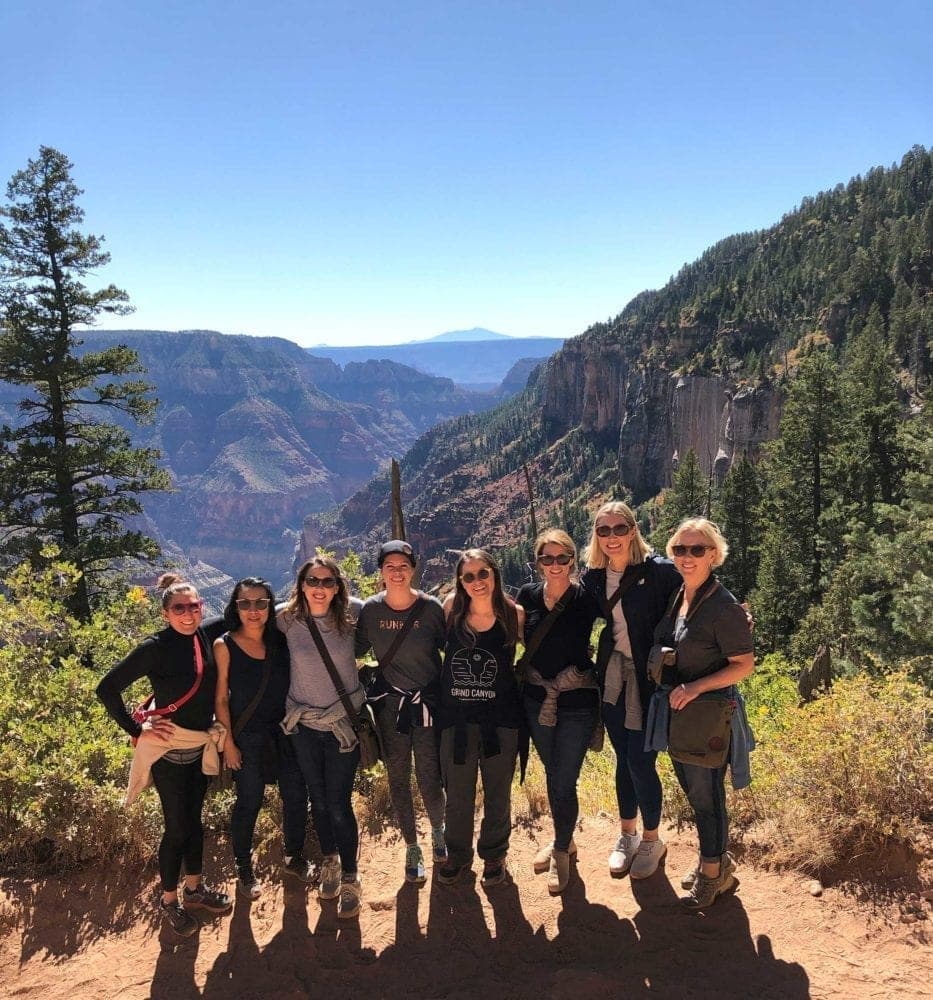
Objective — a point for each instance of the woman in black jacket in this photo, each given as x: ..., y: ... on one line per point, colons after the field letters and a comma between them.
x: 180, y: 667
x: 620, y: 562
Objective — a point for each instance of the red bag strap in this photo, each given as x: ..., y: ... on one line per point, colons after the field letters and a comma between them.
x: 189, y: 694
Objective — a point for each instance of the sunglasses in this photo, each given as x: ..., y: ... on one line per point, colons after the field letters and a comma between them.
x: 619, y: 530
x: 183, y: 609
x: 694, y: 550
x: 327, y: 582
x: 480, y: 574
x: 561, y: 560
x: 259, y: 604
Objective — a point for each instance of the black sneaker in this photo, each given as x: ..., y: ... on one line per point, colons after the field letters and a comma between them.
x: 176, y: 917
x: 494, y: 873
x: 450, y: 874
x: 299, y: 868
x: 206, y: 899
x: 247, y: 884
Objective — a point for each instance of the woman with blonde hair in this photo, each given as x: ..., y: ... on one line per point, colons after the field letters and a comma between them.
x: 561, y: 697
x: 709, y: 631
x: 633, y: 588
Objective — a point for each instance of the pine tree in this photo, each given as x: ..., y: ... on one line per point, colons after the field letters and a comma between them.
x: 798, y: 542
x: 688, y: 496
x: 738, y: 516
x: 65, y: 475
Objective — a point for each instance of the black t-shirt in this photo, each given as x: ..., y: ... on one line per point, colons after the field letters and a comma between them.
x: 245, y: 676
x: 477, y: 680
x: 567, y: 642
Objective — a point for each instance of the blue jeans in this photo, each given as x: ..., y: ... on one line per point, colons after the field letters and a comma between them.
x: 705, y: 788
x: 562, y: 749
x: 637, y: 783
x: 250, y: 786
x: 329, y: 775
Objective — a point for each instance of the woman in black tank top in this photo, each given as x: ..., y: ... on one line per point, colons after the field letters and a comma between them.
x: 479, y: 716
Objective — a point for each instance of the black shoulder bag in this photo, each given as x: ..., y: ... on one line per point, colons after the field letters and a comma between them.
x: 362, y: 720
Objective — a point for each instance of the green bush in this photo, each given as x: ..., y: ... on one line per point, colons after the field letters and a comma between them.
x: 63, y: 763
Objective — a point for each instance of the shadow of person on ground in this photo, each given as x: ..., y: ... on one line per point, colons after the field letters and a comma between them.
x: 706, y: 954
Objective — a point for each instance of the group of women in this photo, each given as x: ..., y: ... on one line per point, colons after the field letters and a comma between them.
x: 279, y: 693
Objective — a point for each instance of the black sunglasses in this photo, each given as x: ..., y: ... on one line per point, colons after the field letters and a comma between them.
x: 620, y: 530
x: 480, y: 574
x: 561, y: 560
x: 259, y: 604
x: 327, y: 582
x: 695, y: 550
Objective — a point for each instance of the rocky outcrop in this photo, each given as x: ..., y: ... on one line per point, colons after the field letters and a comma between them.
x: 653, y: 415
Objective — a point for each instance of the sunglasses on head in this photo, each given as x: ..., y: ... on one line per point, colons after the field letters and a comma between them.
x: 694, y: 550
x: 183, y: 609
x: 562, y: 560
x: 480, y: 574
x: 259, y: 604
x: 620, y: 530
x: 327, y: 582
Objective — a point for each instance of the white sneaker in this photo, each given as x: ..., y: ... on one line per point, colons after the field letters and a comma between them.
x: 624, y: 854
x: 331, y: 872
x: 648, y: 858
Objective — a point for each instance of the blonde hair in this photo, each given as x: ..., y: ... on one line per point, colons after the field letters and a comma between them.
x: 639, y: 549
x: 709, y: 530
x: 555, y: 536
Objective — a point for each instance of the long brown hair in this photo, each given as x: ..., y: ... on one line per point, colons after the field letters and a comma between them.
x: 297, y: 604
x: 502, y: 607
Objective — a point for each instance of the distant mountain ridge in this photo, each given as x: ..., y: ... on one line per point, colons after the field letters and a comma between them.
x: 699, y: 364
x: 480, y: 364
x: 256, y: 434
x: 465, y: 336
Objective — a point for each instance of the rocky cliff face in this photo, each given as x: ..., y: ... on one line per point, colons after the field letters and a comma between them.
x: 652, y: 415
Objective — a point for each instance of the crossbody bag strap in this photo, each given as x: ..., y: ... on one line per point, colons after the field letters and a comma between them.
x: 625, y: 584
x: 409, y: 624
x: 678, y: 597
x: 247, y: 712
x: 542, y: 630
x: 153, y: 713
x: 332, y: 670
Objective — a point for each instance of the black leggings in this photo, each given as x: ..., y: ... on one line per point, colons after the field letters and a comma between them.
x: 181, y: 789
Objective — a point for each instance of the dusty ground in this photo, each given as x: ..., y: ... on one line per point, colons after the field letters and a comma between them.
x: 81, y: 937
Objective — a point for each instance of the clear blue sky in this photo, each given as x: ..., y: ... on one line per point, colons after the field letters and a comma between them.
x: 364, y: 172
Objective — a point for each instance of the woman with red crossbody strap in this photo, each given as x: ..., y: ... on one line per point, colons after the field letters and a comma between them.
x: 180, y: 667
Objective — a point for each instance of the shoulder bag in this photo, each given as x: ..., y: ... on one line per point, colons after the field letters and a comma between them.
x: 701, y: 731
x: 362, y: 720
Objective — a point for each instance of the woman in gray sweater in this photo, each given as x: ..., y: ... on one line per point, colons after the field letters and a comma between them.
x: 316, y: 721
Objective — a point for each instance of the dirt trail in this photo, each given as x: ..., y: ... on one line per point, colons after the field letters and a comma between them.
x: 79, y: 938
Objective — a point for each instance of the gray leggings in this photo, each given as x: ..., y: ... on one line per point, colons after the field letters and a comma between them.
x: 398, y: 748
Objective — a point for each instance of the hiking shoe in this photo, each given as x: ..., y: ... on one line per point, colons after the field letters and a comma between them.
x: 203, y: 898
x: 494, y: 873
x: 414, y: 865
x: 450, y: 874
x: 686, y: 882
x: 299, y: 868
x: 558, y: 872
x: 704, y: 891
x: 649, y: 856
x: 542, y: 861
x: 175, y: 916
x: 247, y: 885
x: 623, y: 854
x: 438, y: 845
x: 331, y: 873
x: 350, y: 893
